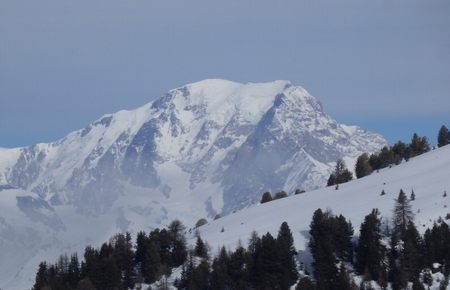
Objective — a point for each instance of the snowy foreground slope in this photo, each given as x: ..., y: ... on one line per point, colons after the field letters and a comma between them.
x: 205, y: 148
x: 428, y: 175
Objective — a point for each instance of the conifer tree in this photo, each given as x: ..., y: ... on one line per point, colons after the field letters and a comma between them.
x: 280, y: 194
x: 437, y: 245
x: 91, y: 267
x: 411, y: 254
x: 331, y: 180
x: 220, y: 279
x: 362, y: 167
x: 342, y: 232
x: 340, y: 174
x: 266, y: 264
x: 239, y: 269
x: 413, y: 195
x: 419, y: 145
x: 400, y: 151
x: 41, y: 279
x: 286, y: 255
x: 151, y: 269
x: 386, y: 157
x: 321, y: 245
x: 178, y: 243
x: 200, y: 249
x: 200, y: 277
x: 402, y: 257
x: 266, y: 197
x: 402, y: 214
x: 124, y: 255
x: 73, y: 275
x: 370, y: 252
x: 443, y: 136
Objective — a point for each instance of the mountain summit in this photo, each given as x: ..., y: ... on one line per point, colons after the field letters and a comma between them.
x: 216, y: 144
x: 206, y: 148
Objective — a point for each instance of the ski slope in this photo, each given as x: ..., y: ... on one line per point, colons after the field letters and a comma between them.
x: 428, y: 175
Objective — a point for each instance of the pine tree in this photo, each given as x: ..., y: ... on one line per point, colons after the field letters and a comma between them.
x: 443, y: 136
x: 280, y: 194
x: 200, y: 249
x: 411, y: 255
x: 437, y: 245
x: 322, y: 250
x: 402, y: 214
x: 124, y: 255
x: 41, y: 279
x: 402, y: 257
x: 266, y: 197
x: 186, y: 273
x: 340, y: 174
x: 239, y: 269
x: 370, y: 252
x: 386, y: 157
x: 331, y: 180
x: 400, y: 151
x: 266, y: 267
x: 73, y: 275
x: 286, y: 255
x: 178, y: 243
x: 200, y: 276
x: 362, y: 167
x: 342, y: 232
x: 151, y: 268
x: 110, y: 274
x: 220, y: 279
x: 419, y: 145
x: 91, y: 266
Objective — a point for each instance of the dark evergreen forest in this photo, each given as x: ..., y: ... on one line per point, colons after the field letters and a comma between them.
x: 394, y: 254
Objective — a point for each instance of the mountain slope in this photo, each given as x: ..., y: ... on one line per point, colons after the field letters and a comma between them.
x: 202, y: 149
x: 427, y: 175
x: 213, y: 134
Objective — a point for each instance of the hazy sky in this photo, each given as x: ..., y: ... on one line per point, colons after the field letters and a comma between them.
x: 383, y: 65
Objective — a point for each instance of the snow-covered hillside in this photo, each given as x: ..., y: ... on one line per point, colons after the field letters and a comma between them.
x: 202, y: 149
x: 428, y: 175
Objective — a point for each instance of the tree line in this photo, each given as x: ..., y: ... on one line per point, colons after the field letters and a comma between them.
x: 397, y: 256
x: 267, y: 263
x: 392, y: 254
x: 119, y: 263
x: 390, y: 155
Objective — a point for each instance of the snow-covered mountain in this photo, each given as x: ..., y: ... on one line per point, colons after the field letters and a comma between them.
x: 206, y: 148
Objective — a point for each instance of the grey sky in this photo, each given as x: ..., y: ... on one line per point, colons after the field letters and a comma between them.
x: 384, y: 65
